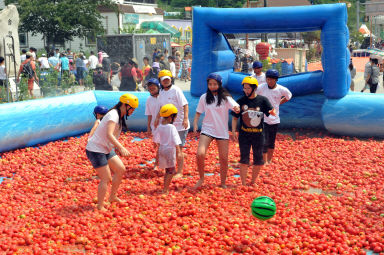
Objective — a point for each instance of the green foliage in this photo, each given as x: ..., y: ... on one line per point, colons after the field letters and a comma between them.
x: 60, y: 20
x: 203, y: 3
x: 356, y: 36
x: 312, y: 36
x: 131, y: 29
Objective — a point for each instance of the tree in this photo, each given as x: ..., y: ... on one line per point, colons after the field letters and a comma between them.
x: 61, y: 20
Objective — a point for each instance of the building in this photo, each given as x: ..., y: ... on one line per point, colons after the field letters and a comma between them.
x: 130, y: 15
x: 184, y: 26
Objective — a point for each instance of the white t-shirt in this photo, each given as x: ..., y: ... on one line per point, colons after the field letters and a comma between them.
x: 33, y: 55
x: 274, y: 96
x: 99, y: 141
x: 44, y: 64
x: 176, y: 97
x: 152, y: 108
x: 23, y: 57
x: 3, y: 75
x: 172, y: 68
x: 168, y: 138
x: 261, y: 79
x: 93, y: 61
x: 215, y: 122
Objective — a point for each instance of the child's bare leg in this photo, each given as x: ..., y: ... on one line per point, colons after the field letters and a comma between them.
x: 169, y: 173
x: 243, y: 173
x: 180, y: 163
x: 118, y: 169
x: 270, y: 155
x: 255, y: 172
x: 223, y: 157
x: 204, y: 142
x: 104, y: 174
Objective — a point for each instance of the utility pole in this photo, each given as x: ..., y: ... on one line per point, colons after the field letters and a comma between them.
x: 246, y: 35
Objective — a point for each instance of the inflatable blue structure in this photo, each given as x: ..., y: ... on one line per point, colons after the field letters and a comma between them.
x: 321, y: 99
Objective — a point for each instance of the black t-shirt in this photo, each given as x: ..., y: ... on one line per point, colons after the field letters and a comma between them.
x: 252, y: 113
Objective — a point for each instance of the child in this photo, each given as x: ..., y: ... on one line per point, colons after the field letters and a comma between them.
x: 100, y: 148
x: 151, y: 106
x: 277, y: 95
x: 99, y: 113
x: 252, y: 110
x: 258, y: 72
x: 170, y: 94
x: 168, y: 139
x: 184, y: 68
x: 215, y: 103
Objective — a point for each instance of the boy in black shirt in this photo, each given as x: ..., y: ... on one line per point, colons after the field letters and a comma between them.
x: 252, y: 110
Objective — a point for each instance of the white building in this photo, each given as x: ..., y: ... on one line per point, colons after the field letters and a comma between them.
x: 131, y: 14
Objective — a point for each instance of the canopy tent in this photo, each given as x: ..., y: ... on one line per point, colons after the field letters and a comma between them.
x: 175, y: 44
x: 160, y: 26
x: 364, y: 30
x: 151, y: 31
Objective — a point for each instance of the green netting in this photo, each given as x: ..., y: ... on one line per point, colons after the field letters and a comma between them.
x: 161, y: 27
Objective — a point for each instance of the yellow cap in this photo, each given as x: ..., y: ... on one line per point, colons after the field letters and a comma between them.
x: 130, y: 100
x: 167, y: 110
x: 163, y: 73
x: 250, y: 80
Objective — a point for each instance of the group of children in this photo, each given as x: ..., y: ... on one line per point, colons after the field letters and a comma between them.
x: 167, y: 111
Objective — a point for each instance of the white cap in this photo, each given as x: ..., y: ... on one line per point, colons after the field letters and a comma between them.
x: 165, y: 77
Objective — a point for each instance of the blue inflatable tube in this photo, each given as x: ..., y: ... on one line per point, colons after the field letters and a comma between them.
x: 356, y: 114
x: 33, y: 122
x: 299, y: 84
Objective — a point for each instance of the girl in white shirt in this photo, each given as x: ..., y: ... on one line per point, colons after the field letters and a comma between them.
x: 215, y: 103
x: 100, y: 148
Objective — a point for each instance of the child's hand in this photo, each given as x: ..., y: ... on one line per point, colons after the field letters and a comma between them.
x: 235, y: 136
x: 236, y: 109
x: 156, y: 123
x: 124, y: 152
x: 185, y: 123
x: 272, y: 112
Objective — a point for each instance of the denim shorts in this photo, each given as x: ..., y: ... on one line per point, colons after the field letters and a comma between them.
x: 99, y: 159
x: 183, y: 136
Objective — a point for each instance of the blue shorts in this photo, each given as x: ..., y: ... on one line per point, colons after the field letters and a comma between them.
x: 99, y: 159
x: 183, y: 136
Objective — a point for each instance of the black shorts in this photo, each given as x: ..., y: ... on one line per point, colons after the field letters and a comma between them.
x: 99, y: 159
x: 212, y: 137
x: 254, y: 140
x: 270, y: 132
x: 2, y: 83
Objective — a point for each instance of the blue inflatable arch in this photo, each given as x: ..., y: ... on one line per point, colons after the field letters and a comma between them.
x: 212, y: 53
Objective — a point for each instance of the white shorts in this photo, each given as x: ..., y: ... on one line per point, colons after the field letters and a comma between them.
x: 167, y: 157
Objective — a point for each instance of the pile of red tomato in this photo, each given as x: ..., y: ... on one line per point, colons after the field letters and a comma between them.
x: 329, y: 193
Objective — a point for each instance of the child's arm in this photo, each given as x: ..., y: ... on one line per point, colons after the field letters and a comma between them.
x: 94, y: 128
x: 149, y: 130
x: 157, y: 120
x: 234, y: 126
x: 112, y: 139
x: 178, y: 151
x: 185, y: 121
x: 195, y: 121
